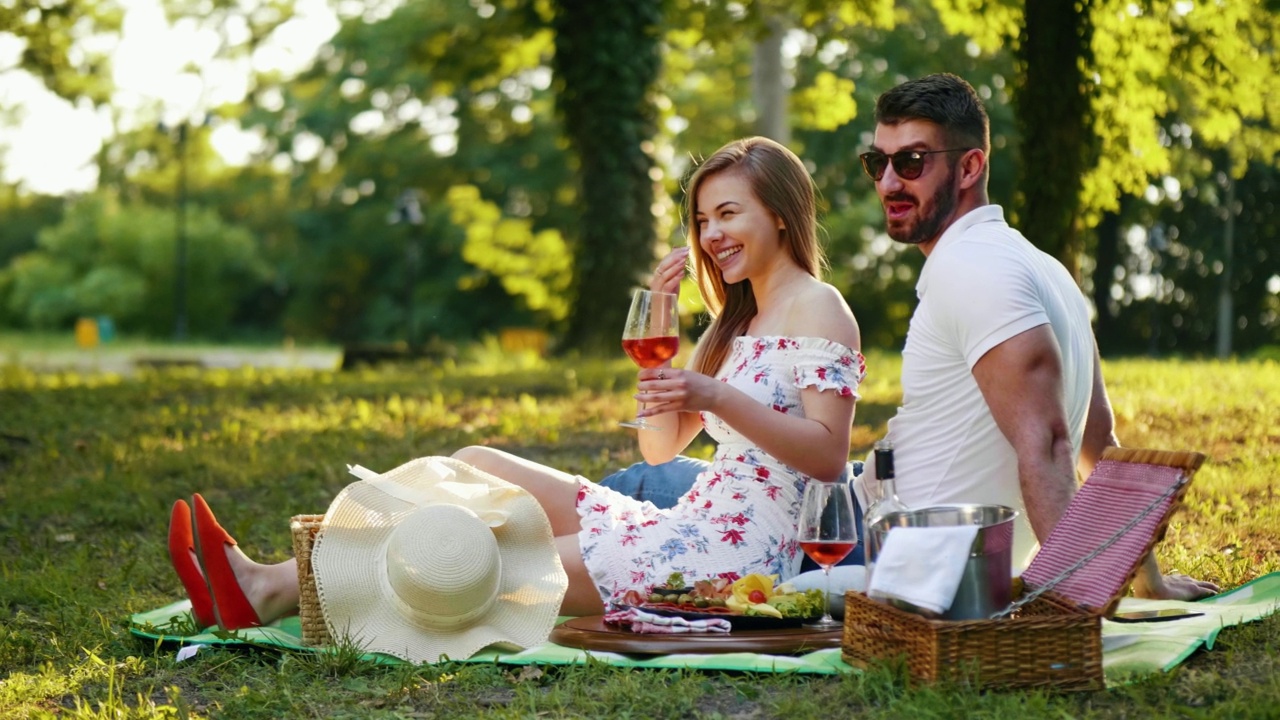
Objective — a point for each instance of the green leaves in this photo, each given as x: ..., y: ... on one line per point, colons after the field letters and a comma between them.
x: 535, y: 267
x: 826, y: 104
x: 117, y: 259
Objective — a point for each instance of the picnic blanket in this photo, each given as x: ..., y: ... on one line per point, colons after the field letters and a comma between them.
x: 1130, y: 650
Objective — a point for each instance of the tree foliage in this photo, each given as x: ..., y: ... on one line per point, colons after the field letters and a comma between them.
x: 108, y: 258
x: 535, y: 267
x: 55, y: 35
x: 547, y: 141
x: 1207, y: 62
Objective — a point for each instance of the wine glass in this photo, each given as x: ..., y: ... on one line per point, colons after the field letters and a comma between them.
x: 651, y: 335
x: 827, y: 534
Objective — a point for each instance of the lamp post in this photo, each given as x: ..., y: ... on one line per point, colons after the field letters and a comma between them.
x: 408, y: 210
x: 180, y: 254
x: 180, y: 263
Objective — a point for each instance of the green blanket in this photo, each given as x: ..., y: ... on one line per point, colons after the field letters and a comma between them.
x: 1129, y: 649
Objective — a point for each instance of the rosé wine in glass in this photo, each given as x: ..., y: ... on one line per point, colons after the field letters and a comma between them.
x: 653, y: 351
x: 827, y: 533
x: 651, y: 336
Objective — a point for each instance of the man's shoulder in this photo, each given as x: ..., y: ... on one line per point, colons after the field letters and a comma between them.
x: 988, y: 251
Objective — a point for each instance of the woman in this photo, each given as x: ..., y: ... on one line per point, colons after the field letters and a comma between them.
x: 774, y: 380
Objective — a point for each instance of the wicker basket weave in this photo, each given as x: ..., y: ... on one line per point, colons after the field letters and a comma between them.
x: 1045, y: 645
x: 1054, y: 641
x: 304, y: 529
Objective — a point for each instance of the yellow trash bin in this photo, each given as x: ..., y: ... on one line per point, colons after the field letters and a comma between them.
x: 516, y: 339
x: 87, y: 333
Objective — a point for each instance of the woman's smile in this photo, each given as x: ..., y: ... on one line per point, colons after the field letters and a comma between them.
x: 727, y: 253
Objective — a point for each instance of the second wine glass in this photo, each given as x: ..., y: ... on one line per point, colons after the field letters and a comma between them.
x: 828, y: 532
x: 652, y: 335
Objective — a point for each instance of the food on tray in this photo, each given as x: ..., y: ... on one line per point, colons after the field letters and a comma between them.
x: 753, y: 595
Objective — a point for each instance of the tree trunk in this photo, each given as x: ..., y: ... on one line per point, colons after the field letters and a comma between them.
x: 1107, y: 257
x: 606, y: 61
x: 1226, y: 309
x: 769, y: 85
x: 1052, y: 110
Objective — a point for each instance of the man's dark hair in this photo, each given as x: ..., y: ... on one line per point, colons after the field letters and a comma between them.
x: 944, y: 99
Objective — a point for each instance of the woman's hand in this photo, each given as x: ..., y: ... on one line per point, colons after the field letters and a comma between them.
x: 670, y: 271
x: 665, y: 390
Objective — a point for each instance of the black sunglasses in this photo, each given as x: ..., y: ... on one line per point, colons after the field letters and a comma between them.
x: 908, y: 164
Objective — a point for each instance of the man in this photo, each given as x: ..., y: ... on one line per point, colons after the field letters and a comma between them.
x: 1003, y: 398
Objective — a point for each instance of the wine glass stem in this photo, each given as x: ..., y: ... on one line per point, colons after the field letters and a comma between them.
x: 826, y: 605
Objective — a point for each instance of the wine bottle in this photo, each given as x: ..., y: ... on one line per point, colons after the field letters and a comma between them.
x: 882, y: 499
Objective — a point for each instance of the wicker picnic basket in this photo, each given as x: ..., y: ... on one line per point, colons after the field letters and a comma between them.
x: 1054, y: 637
x: 304, y: 529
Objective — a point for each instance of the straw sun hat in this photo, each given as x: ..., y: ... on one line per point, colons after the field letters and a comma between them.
x: 437, y: 558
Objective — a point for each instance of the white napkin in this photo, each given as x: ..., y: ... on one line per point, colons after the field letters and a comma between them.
x: 922, y: 565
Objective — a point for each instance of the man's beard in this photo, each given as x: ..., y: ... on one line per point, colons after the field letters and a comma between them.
x: 935, y: 213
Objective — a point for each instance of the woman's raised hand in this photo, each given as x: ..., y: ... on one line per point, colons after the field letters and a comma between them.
x: 670, y: 271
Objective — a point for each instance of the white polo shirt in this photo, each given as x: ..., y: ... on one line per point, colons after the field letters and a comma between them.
x: 982, y: 284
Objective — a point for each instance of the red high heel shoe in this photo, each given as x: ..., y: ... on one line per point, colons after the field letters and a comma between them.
x: 181, y: 545
x: 232, y: 608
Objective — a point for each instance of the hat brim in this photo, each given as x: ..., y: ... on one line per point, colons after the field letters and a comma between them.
x: 349, y: 562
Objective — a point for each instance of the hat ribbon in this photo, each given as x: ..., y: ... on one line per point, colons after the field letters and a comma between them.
x: 480, y: 499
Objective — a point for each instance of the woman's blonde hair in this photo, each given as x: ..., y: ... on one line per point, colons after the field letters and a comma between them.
x: 780, y: 181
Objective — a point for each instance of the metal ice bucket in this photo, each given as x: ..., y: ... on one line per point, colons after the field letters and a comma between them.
x: 986, y: 585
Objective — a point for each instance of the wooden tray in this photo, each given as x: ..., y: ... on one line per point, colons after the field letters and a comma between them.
x: 591, y: 633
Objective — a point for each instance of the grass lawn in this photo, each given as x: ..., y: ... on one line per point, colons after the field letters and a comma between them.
x: 89, y: 465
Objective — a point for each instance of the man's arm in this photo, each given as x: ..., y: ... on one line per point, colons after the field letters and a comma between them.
x: 1021, y: 380
x: 1099, y: 426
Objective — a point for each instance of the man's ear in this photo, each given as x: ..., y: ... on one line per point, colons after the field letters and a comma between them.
x: 972, y: 166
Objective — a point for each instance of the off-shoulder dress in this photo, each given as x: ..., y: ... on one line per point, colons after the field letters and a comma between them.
x: 740, y: 515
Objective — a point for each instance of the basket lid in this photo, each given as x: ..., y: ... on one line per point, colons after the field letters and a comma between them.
x: 1114, y: 520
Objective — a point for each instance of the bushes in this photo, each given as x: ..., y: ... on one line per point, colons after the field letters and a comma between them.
x: 110, y: 258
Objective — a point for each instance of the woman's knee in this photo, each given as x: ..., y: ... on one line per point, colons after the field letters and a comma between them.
x: 480, y: 457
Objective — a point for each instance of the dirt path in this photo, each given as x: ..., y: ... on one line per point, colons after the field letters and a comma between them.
x: 126, y: 361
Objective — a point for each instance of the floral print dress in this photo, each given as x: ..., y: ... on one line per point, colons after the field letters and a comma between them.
x: 740, y: 515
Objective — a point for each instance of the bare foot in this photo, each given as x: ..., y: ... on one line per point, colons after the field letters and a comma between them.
x: 1177, y: 587
x: 272, y: 590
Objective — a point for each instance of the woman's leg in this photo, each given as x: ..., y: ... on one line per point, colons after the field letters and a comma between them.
x: 271, y: 589
x: 582, y: 597
x: 555, y: 491
x: 244, y: 593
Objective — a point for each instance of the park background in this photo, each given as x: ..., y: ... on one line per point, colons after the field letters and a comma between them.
x: 432, y: 172
x: 426, y: 178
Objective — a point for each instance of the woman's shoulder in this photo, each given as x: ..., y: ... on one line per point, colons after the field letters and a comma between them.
x: 823, y: 313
